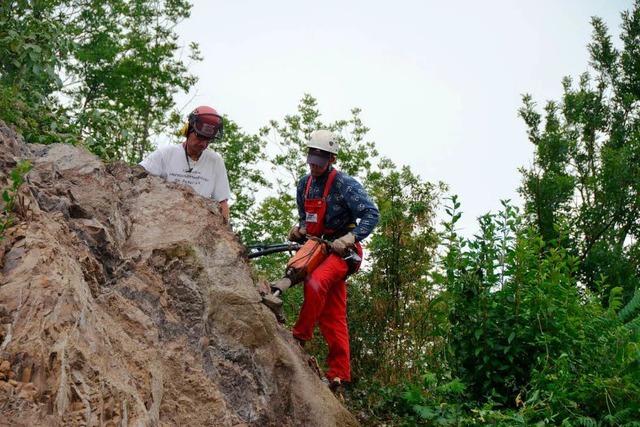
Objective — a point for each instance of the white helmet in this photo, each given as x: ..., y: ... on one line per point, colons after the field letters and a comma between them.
x: 324, y: 140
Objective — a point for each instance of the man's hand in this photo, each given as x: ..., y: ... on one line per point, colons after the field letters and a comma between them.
x: 281, y: 285
x: 224, y: 210
x: 297, y: 234
x: 341, y: 245
x: 139, y: 172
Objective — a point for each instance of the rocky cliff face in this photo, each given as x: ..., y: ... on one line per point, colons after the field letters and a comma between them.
x: 124, y: 300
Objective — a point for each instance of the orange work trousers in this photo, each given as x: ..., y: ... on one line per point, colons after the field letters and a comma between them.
x: 325, y: 304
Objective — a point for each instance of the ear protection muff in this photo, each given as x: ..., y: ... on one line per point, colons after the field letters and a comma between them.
x: 184, y: 130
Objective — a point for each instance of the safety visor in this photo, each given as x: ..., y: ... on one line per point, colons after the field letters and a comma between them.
x: 208, y: 126
x: 317, y: 157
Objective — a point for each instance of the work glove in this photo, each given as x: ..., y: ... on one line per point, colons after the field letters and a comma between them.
x: 275, y: 302
x: 297, y: 234
x: 341, y: 245
x: 281, y: 285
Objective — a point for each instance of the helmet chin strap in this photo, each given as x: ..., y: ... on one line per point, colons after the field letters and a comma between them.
x: 187, y: 155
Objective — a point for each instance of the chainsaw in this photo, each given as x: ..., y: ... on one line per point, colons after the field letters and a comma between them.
x: 308, y: 256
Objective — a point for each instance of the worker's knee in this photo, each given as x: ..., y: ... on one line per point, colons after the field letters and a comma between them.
x: 314, y: 287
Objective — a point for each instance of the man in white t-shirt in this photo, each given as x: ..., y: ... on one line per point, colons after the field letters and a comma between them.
x: 191, y: 163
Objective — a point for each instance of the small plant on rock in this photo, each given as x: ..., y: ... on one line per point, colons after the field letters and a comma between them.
x: 17, y: 177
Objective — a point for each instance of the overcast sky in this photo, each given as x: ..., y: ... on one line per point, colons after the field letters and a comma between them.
x: 439, y: 82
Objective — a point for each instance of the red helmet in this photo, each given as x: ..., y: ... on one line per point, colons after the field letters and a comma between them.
x: 206, y: 122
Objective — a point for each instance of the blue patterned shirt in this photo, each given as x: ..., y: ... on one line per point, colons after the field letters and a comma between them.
x: 347, y: 201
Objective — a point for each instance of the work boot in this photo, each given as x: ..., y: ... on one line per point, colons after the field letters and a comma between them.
x: 337, y: 388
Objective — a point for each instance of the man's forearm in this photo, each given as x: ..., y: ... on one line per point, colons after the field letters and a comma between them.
x: 224, y: 210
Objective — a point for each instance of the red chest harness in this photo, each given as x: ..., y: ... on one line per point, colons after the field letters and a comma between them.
x: 316, y: 209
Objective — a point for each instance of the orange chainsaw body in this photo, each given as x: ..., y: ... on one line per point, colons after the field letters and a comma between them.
x: 308, y: 257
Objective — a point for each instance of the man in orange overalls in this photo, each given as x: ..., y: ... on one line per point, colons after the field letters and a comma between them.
x: 334, y: 206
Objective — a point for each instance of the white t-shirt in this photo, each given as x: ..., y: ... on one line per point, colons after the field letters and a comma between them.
x: 207, y: 176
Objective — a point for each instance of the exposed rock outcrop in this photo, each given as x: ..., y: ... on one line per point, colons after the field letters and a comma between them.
x: 124, y: 300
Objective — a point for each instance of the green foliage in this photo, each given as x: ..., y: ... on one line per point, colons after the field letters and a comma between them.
x: 125, y: 74
x: 16, y: 178
x: 243, y: 154
x: 632, y: 309
x: 430, y: 400
x: 488, y: 349
x: 522, y: 327
x: 32, y: 52
x: 396, y: 313
x: 99, y: 72
x: 585, y: 172
x: 501, y: 321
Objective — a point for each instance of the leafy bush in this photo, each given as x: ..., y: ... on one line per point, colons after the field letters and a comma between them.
x: 16, y: 177
x: 431, y: 400
x: 524, y: 332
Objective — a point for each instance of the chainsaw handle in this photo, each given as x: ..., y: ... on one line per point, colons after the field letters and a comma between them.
x: 350, y: 255
x: 255, y: 251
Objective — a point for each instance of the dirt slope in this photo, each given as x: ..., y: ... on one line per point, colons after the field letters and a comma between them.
x: 125, y: 301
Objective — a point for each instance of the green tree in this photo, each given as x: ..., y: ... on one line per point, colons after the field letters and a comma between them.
x: 33, y: 51
x: 396, y: 312
x: 522, y: 330
x: 243, y: 157
x: 585, y: 171
x: 100, y: 72
x: 125, y: 73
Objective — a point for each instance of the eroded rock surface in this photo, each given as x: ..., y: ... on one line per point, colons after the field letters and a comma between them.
x: 125, y: 301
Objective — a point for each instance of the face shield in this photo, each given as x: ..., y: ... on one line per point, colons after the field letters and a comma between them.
x: 317, y: 157
x: 208, y: 126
